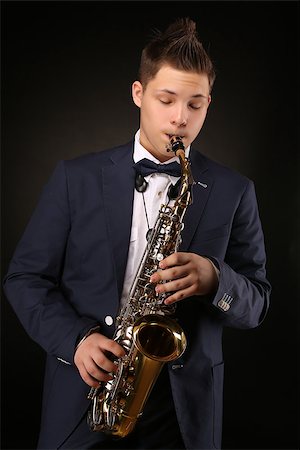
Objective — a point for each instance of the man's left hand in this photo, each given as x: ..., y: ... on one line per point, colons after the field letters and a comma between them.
x: 185, y: 274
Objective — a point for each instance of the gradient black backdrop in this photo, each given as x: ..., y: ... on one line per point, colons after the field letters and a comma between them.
x: 67, y: 70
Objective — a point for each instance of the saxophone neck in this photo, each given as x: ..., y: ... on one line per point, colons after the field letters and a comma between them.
x: 187, y: 181
x: 186, y: 173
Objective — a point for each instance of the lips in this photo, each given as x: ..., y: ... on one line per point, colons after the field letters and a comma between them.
x: 176, y: 134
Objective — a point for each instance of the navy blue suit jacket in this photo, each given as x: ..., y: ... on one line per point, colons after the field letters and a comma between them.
x: 67, y: 275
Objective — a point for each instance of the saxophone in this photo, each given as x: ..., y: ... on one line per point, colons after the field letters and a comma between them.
x: 144, y: 326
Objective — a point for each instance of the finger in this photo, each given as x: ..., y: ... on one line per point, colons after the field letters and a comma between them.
x: 179, y: 295
x: 170, y: 274
x: 104, y: 363
x: 173, y: 286
x: 92, y: 375
x: 112, y: 347
x: 175, y: 259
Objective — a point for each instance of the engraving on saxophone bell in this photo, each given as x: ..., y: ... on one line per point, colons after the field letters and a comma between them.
x: 145, y: 326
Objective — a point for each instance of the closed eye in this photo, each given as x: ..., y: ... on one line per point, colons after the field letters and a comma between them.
x: 165, y: 102
x: 195, y: 106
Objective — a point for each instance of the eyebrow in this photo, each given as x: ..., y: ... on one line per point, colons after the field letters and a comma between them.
x: 167, y: 91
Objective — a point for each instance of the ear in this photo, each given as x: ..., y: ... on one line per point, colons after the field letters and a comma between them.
x: 137, y: 93
x: 209, y: 100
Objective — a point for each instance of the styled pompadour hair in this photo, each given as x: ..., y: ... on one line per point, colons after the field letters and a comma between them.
x: 180, y: 47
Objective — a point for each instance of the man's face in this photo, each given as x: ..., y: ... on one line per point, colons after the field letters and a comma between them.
x: 174, y: 102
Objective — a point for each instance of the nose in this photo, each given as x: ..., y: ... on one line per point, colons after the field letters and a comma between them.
x: 179, y: 117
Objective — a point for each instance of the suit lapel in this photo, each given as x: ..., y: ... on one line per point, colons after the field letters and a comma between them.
x: 118, y: 191
x: 200, y: 194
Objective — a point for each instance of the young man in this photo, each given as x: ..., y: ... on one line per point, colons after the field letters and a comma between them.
x: 77, y: 258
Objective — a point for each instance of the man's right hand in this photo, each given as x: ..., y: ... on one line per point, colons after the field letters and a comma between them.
x: 92, y: 361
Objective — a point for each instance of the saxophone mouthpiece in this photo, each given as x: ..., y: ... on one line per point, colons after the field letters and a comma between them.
x: 176, y: 144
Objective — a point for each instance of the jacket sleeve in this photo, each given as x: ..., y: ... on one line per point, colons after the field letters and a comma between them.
x: 32, y: 284
x: 242, y: 299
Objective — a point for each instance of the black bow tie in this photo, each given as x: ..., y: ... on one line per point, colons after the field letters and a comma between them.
x: 145, y: 167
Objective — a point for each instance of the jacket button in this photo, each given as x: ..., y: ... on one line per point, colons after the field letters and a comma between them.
x: 108, y: 320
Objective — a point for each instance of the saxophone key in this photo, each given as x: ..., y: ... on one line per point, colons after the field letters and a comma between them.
x: 149, y: 234
x: 159, y: 256
x: 92, y: 394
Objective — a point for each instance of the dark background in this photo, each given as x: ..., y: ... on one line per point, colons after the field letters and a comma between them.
x: 67, y: 70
